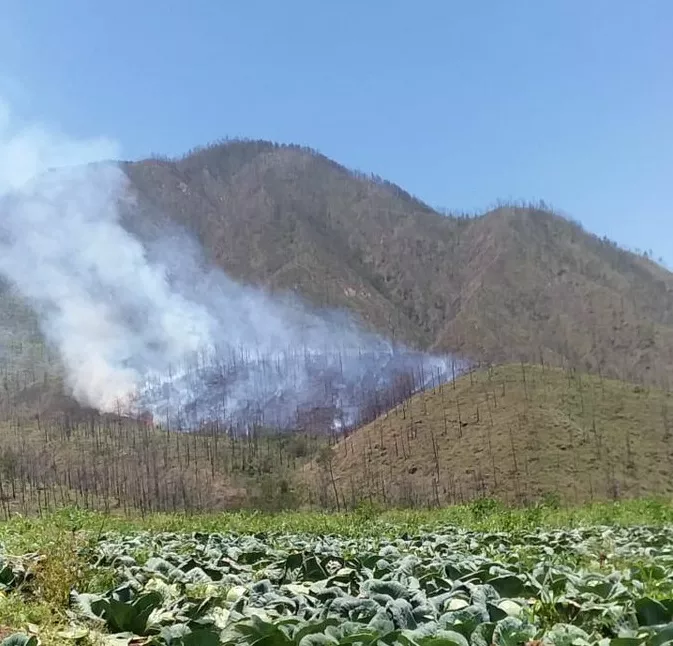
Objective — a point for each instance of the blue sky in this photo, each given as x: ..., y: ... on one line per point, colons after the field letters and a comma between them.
x: 460, y: 102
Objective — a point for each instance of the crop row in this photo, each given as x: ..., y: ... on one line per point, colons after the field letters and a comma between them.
x: 453, y: 587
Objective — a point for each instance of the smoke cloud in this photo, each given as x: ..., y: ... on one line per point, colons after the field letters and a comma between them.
x: 148, y: 325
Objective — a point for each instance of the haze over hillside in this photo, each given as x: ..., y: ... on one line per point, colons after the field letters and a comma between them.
x: 143, y: 322
x: 517, y: 283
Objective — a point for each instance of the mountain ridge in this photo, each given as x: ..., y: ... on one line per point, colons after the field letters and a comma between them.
x: 515, y: 283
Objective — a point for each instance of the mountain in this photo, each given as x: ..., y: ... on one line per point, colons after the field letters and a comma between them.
x: 515, y: 432
x: 519, y: 283
x: 576, y: 335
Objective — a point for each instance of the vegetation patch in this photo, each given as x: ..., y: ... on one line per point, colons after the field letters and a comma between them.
x: 499, y: 577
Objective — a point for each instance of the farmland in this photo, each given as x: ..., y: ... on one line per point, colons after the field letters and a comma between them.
x: 467, y: 575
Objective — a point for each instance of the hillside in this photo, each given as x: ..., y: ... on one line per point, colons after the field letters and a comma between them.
x: 517, y: 433
x: 68, y: 456
x: 514, y: 284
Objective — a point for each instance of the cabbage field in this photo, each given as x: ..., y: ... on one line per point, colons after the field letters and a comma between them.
x: 449, y: 586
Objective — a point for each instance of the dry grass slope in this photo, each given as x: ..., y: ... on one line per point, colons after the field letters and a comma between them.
x: 517, y: 433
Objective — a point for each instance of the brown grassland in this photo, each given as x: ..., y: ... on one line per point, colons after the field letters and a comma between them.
x: 517, y: 433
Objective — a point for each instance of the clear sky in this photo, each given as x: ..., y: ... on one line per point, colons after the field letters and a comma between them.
x: 460, y: 102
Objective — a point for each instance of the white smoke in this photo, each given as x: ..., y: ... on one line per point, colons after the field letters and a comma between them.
x: 62, y: 245
x: 148, y: 322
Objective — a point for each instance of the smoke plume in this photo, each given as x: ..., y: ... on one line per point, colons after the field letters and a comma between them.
x: 148, y: 325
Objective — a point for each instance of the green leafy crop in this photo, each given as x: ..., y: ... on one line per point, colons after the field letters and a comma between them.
x: 447, y: 587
